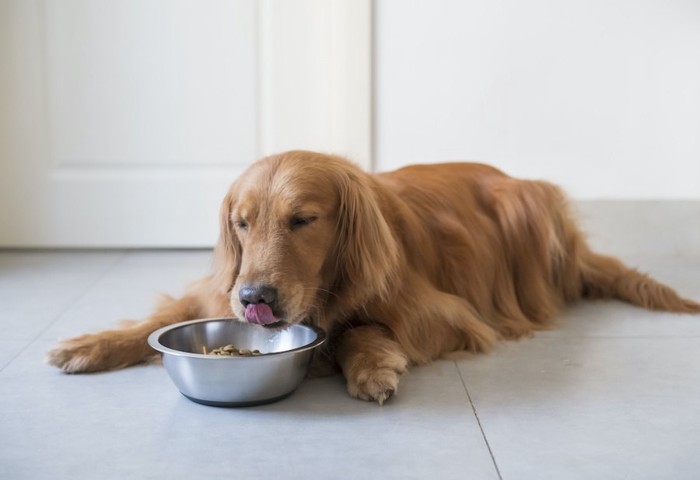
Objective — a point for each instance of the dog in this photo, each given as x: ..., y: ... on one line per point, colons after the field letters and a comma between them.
x: 398, y: 268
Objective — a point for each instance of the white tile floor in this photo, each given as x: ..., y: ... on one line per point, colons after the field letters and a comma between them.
x: 614, y: 393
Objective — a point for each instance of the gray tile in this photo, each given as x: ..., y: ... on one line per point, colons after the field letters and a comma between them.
x: 134, y: 424
x: 611, y: 394
x: 660, y: 228
x: 9, y: 349
x: 590, y: 407
x: 615, y: 318
x: 200, y: 260
x: 36, y: 287
x: 130, y: 291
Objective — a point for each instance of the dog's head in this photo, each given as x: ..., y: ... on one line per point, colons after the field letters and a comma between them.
x: 302, y: 234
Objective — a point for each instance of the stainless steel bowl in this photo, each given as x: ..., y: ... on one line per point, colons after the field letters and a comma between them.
x: 235, y: 381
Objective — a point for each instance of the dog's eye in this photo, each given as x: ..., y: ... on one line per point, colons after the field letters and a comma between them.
x: 241, y: 224
x: 298, y: 222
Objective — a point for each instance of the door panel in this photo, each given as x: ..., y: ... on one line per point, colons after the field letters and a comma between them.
x: 122, y: 124
x: 150, y: 84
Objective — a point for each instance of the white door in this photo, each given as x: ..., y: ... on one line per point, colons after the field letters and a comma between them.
x: 123, y: 123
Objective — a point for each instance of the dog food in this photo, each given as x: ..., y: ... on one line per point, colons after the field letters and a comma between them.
x: 231, y: 351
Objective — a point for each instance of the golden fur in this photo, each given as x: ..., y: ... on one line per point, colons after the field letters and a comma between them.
x: 399, y: 268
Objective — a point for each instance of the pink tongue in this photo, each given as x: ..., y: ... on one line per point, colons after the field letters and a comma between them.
x: 259, y: 313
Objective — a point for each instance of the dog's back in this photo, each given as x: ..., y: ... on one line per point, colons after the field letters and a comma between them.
x: 510, y: 247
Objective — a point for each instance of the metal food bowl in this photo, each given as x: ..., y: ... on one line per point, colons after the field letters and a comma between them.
x: 234, y: 381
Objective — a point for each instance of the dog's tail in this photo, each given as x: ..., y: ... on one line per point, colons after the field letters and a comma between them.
x: 607, y: 277
x: 547, y: 250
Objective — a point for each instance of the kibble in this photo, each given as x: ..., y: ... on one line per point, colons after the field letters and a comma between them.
x: 231, y: 351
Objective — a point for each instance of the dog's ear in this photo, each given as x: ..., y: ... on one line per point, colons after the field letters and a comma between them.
x: 227, y: 253
x: 367, y: 252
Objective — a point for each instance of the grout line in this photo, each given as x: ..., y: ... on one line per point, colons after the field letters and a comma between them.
x: 73, y: 302
x: 478, y: 421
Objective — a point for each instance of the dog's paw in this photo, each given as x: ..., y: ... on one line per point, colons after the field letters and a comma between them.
x: 83, y: 354
x: 377, y: 384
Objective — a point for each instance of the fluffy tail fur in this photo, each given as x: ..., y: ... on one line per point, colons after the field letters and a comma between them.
x: 547, y: 250
x: 607, y: 277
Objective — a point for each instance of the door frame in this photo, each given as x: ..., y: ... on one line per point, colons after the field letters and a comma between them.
x: 336, y: 50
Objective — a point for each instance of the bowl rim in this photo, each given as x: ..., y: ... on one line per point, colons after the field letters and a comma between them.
x: 154, y: 340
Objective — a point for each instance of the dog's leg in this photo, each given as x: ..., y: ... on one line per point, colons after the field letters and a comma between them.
x: 428, y: 323
x: 372, y: 362
x: 119, y: 348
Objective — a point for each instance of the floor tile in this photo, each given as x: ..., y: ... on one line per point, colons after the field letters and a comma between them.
x: 36, y: 287
x: 590, y: 407
x: 616, y: 318
x: 200, y: 260
x: 612, y: 393
x: 660, y: 228
x: 130, y: 291
x: 134, y: 424
x: 9, y: 349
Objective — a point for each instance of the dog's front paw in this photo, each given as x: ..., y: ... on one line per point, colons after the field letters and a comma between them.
x: 372, y: 362
x: 77, y: 355
x: 94, y: 353
x: 377, y: 384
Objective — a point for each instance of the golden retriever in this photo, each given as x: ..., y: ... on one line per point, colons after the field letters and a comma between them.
x: 399, y: 268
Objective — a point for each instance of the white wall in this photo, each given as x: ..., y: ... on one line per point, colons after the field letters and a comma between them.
x: 600, y: 96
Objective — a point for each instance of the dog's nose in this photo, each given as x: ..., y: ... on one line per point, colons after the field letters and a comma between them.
x: 257, y: 294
